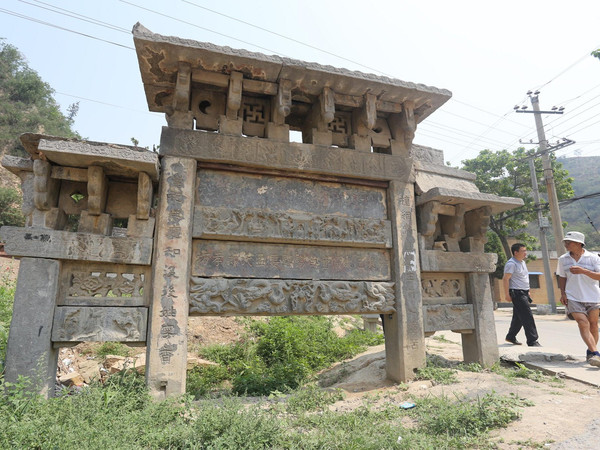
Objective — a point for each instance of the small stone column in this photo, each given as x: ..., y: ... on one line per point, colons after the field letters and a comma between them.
x: 404, y: 333
x: 29, y: 351
x: 481, y: 346
x: 167, y: 340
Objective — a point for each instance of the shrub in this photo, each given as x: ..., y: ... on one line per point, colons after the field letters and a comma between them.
x: 10, y: 208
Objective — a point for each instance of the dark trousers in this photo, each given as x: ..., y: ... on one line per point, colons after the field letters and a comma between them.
x: 522, y: 317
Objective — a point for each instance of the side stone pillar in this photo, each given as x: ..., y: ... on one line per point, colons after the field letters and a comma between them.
x: 404, y: 333
x: 167, y: 340
x: 29, y: 351
x: 481, y: 346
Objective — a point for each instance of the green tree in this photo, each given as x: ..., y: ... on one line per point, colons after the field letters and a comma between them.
x: 26, y: 103
x: 507, y: 174
x: 10, y: 209
x: 596, y: 53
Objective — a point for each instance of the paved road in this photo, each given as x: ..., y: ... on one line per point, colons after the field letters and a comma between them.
x: 555, y: 331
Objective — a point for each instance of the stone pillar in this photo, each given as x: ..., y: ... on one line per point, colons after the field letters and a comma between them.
x: 481, y: 346
x: 404, y: 333
x: 167, y: 340
x: 29, y: 350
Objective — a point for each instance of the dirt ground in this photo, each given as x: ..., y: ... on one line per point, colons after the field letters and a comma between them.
x: 565, y: 414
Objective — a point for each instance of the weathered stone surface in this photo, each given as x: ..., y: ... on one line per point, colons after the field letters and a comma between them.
x: 29, y: 350
x: 481, y: 346
x: 260, y: 225
x: 45, y: 243
x: 115, y: 159
x: 104, y: 285
x: 448, y: 317
x: 91, y: 324
x: 254, y: 260
x: 427, y: 156
x: 309, y: 78
x: 71, y: 379
x: 289, y: 195
x: 440, y: 261
x: 472, y: 200
x: 443, y: 288
x: 215, y: 147
x: 404, y: 342
x: 16, y: 164
x: 167, y: 340
x: 212, y: 296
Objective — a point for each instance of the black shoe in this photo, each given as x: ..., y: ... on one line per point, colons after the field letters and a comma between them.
x: 535, y: 344
x: 513, y: 341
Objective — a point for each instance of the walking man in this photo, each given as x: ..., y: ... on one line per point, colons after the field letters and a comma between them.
x: 579, y: 272
x: 516, y: 288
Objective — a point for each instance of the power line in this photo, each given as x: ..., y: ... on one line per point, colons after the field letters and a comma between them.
x: 32, y: 19
x: 67, y: 13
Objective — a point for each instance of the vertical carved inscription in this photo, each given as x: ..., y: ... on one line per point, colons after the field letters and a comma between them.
x: 167, y: 343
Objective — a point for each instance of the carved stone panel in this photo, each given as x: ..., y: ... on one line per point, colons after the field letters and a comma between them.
x: 254, y: 260
x: 212, y: 296
x: 54, y: 244
x: 260, y: 225
x: 90, y: 324
x: 104, y: 285
x: 436, y: 261
x: 443, y: 288
x: 448, y: 317
x: 283, y: 194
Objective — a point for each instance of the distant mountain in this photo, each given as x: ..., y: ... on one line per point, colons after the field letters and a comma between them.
x: 585, y: 171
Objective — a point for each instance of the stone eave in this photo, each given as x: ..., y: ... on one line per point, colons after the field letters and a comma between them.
x: 472, y: 200
x: 159, y: 57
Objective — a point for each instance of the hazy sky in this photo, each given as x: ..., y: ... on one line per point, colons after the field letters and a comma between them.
x: 488, y: 56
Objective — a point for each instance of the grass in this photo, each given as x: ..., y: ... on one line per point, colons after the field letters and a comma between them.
x: 7, y: 294
x: 120, y: 414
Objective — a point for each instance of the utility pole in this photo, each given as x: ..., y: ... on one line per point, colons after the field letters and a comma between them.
x: 544, y: 152
x: 548, y: 177
x: 542, y: 222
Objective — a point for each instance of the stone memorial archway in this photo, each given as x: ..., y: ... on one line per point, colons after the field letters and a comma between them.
x: 231, y: 218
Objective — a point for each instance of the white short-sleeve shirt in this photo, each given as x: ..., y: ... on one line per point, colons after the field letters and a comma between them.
x: 580, y: 288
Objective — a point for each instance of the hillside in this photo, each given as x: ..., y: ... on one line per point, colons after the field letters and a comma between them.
x: 585, y: 171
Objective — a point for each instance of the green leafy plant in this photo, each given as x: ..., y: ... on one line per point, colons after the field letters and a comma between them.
x: 112, y: 348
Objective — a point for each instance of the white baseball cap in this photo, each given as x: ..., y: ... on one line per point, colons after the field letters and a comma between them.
x: 575, y: 236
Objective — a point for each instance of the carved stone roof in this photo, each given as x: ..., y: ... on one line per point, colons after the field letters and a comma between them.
x: 118, y: 160
x: 159, y: 57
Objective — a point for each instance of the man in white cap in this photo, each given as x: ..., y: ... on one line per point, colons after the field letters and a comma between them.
x: 579, y: 272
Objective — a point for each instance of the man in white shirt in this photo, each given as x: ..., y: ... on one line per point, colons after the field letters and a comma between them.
x: 579, y: 272
x: 516, y: 288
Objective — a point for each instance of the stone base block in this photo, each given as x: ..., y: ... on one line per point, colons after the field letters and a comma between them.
x: 280, y: 133
x: 54, y: 219
x: 101, y: 224
x: 230, y: 127
x: 320, y: 137
x: 140, y: 228
x: 360, y: 143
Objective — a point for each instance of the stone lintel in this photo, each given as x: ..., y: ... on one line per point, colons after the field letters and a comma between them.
x: 115, y: 159
x: 305, y: 228
x: 16, y: 164
x: 268, y: 154
x: 219, y: 296
x: 56, y: 244
x: 440, y: 261
x: 448, y: 317
x: 471, y: 200
x: 92, y: 324
x: 255, y: 260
